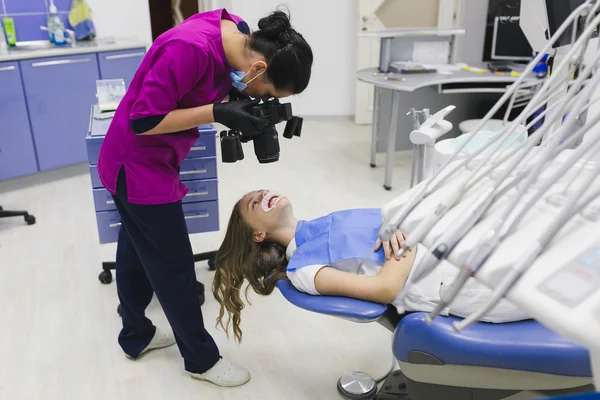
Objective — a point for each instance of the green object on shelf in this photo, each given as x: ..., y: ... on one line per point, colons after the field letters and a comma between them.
x: 9, y: 31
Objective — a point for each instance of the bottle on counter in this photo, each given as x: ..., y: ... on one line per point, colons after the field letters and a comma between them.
x: 3, y: 42
x: 9, y: 30
x: 56, y: 28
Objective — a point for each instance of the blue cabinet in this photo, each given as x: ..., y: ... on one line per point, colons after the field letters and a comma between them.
x: 59, y: 93
x: 198, y: 172
x: 120, y: 64
x: 17, y: 156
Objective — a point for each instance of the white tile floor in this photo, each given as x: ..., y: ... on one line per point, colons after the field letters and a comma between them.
x: 59, y: 325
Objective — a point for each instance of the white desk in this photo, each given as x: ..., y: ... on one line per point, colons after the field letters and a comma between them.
x: 433, y: 91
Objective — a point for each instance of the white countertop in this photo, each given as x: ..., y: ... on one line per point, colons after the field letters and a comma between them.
x: 411, y: 32
x: 413, y: 82
x: 96, y: 46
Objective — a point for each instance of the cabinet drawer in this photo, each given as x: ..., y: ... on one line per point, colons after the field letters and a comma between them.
x: 93, y: 145
x: 205, y: 146
x: 103, y: 200
x: 108, y: 226
x: 211, y: 184
x: 207, y: 129
x: 198, y: 168
x: 203, y: 190
x: 96, y: 183
x: 59, y: 92
x: 199, y: 217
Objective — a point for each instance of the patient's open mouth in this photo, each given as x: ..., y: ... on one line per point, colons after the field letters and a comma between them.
x: 272, y: 201
x: 269, y: 201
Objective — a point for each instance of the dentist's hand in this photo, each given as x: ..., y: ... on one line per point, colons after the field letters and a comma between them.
x: 236, y: 115
x: 394, y: 244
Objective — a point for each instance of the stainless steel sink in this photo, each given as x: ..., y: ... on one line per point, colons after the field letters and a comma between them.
x: 32, y: 46
x: 41, y: 45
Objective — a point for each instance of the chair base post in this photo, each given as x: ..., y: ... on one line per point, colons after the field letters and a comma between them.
x: 357, y: 385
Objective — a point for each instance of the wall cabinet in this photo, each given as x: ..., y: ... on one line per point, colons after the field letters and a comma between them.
x: 120, y: 64
x: 45, y: 107
x: 17, y: 155
x: 59, y: 92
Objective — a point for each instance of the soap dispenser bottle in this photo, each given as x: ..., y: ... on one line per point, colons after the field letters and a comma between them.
x: 56, y: 28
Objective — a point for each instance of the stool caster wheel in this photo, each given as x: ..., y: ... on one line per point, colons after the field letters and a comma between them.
x: 119, y: 310
x: 386, y: 187
x: 357, y: 386
x: 30, y: 219
x: 211, y: 265
x: 372, y: 165
x: 105, y: 277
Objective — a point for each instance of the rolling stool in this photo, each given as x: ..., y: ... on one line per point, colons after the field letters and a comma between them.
x: 29, y: 219
x: 106, y: 275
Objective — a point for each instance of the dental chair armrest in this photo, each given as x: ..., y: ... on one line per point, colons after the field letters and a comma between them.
x: 343, y: 307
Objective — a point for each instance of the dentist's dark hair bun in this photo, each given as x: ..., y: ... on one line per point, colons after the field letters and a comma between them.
x: 288, y: 56
x: 275, y: 25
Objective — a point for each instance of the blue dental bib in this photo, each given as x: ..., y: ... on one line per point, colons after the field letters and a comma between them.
x: 339, y: 236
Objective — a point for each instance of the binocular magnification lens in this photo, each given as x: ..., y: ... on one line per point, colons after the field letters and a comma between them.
x: 266, y: 146
x: 266, y: 143
x: 231, y: 148
x: 293, y: 128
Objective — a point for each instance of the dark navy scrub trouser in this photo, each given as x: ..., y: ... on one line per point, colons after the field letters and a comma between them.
x: 154, y: 254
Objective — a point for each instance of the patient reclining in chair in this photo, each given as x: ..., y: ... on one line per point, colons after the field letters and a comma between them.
x: 334, y: 256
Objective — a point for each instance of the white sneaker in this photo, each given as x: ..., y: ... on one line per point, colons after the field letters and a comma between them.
x: 225, y: 373
x: 159, y: 341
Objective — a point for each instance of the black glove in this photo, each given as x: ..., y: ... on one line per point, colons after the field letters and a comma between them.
x: 236, y: 115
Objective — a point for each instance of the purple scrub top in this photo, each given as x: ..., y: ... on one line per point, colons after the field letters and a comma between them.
x: 185, y: 67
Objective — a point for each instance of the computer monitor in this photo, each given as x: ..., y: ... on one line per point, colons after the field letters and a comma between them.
x: 509, y: 42
x: 558, y: 11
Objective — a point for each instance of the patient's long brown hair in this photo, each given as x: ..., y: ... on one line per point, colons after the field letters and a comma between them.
x: 239, y: 258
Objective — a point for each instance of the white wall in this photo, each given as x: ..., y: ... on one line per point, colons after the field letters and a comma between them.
x: 122, y: 18
x: 472, y: 17
x: 330, y: 28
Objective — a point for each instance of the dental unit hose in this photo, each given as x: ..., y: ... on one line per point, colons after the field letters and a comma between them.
x: 568, y: 211
x: 493, y: 237
x: 444, y: 246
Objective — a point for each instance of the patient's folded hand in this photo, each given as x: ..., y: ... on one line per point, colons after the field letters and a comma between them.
x: 394, y: 244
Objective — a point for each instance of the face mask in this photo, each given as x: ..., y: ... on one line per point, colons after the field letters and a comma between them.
x: 236, y: 79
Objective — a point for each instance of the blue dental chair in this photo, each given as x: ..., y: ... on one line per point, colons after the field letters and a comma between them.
x: 485, y: 362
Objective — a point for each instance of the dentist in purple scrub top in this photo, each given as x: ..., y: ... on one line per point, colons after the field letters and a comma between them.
x: 181, y: 84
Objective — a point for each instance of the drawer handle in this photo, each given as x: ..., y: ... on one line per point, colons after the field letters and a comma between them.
x: 194, y: 171
x: 110, y: 202
x: 204, y: 193
x: 91, y: 119
x: 10, y: 68
x: 196, y: 216
x: 198, y: 148
x: 60, y: 62
x: 205, y: 215
x: 128, y: 55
